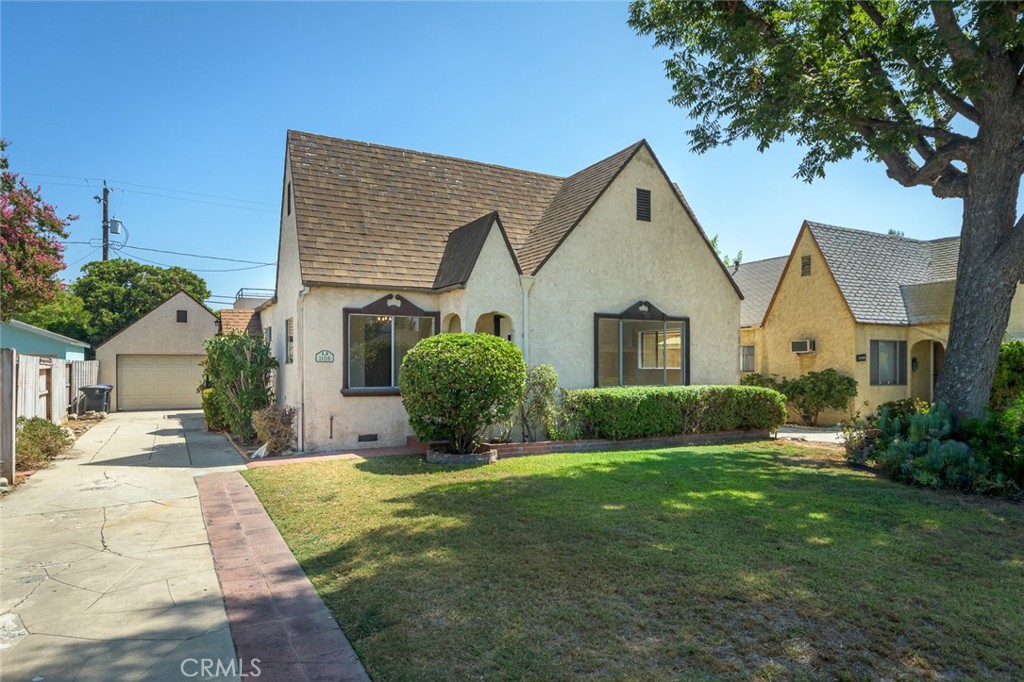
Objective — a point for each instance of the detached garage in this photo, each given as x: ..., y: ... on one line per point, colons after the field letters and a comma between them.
x: 154, y: 364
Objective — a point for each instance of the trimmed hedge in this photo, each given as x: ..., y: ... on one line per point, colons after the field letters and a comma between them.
x: 649, y: 411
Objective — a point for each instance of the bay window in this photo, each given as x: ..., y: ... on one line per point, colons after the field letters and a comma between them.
x: 377, y: 338
x: 641, y: 346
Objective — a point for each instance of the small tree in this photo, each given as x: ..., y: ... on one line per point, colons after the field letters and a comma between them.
x: 811, y: 393
x: 537, y: 411
x: 456, y: 386
x: 31, y: 254
x: 240, y: 368
x: 816, y: 391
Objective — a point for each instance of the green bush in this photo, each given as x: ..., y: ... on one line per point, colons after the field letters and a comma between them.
x: 811, y: 393
x: 275, y: 426
x: 1008, y: 382
x: 455, y: 387
x: 37, y: 442
x: 240, y: 368
x: 646, y: 411
x: 927, y: 449
x: 537, y: 411
x: 213, y: 410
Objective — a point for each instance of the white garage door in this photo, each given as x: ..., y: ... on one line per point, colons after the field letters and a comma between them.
x: 158, y: 382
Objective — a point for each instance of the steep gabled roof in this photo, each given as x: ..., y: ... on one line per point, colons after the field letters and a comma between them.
x: 873, y: 270
x: 376, y: 216
x: 576, y: 196
x: 757, y: 280
x: 157, y: 307
x: 463, y: 249
x: 369, y: 215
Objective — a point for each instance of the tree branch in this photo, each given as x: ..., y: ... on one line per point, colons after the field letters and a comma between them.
x: 957, y: 104
x: 914, y: 128
x: 959, y: 47
x: 938, y: 172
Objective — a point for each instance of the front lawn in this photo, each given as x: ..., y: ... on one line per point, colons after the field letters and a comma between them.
x: 753, y: 561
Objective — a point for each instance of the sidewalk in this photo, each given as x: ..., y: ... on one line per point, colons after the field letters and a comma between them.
x: 107, y: 569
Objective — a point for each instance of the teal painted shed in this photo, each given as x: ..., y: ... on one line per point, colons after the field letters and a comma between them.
x: 29, y: 340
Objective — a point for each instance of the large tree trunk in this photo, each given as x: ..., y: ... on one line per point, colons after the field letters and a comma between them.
x: 987, y: 275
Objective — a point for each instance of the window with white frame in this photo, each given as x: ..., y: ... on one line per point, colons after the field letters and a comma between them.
x: 888, y: 363
x: 746, y: 358
x: 289, y: 332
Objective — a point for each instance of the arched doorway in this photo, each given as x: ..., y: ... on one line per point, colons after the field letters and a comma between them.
x: 452, y: 324
x: 495, y: 323
x: 925, y: 362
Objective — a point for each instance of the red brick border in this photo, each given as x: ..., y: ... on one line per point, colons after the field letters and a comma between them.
x: 275, y: 614
x: 544, y: 447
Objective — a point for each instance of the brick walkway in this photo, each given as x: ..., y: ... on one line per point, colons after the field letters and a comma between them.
x: 275, y: 614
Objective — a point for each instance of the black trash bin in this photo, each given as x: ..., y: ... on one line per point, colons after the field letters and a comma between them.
x: 97, y: 397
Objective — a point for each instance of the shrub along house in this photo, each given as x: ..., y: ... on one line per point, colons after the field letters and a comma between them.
x: 605, y: 274
x: 872, y: 306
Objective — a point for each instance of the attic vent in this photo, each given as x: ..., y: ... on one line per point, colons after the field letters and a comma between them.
x: 643, y: 205
x: 182, y: 316
x: 805, y: 266
x: 288, y: 198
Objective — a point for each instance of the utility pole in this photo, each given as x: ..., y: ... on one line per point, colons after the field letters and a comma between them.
x: 106, y: 221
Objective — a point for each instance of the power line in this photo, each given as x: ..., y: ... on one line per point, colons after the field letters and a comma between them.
x: 161, y: 189
x: 68, y: 265
x: 200, y: 201
x: 196, y: 255
x: 164, y: 265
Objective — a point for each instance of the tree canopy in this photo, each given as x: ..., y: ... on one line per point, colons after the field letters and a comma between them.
x: 932, y: 90
x: 31, y: 254
x: 116, y: 293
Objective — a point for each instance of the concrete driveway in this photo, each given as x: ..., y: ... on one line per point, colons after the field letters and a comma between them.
x: 107, y: 573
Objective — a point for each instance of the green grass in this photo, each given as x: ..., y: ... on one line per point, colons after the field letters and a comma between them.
x: 752, y: 561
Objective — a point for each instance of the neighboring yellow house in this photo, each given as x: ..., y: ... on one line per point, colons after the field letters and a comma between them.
x: 873, y: 306
x: 605, y: 274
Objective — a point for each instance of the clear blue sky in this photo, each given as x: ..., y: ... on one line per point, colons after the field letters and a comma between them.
x: 190, y: 99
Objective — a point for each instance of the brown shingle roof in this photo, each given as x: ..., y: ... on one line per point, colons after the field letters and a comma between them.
x: 369, y: 215
x: 463, y: 248
x: 243, y: 321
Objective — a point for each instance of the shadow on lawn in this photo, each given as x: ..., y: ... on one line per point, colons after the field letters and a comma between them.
x: 671, y: 563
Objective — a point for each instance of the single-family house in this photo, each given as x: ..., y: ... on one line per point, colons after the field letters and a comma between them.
x: 605, y: 274
x: 870, y: 305
x: 30, y: 340
x: 155, y: 362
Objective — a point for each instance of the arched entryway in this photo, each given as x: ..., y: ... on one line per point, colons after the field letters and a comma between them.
x: 452, y: 324
x: 925, y: 362
x: 495, y: 323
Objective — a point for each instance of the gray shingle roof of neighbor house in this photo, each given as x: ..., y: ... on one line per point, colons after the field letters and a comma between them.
x: 757, y: 280
x: 376, y: 216
x: 876, y: 272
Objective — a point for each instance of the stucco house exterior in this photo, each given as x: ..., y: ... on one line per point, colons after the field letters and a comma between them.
x: 154, y: 363
x: 31, y: 340
x: 606, y: 274
x: 873, y: 306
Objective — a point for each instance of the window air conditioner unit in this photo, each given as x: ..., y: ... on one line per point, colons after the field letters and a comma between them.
x: 802, y: 346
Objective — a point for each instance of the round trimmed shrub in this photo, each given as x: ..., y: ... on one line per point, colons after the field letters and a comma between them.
x: 456, y: 386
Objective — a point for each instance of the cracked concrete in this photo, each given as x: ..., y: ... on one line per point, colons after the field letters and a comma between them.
x: 107, y: 573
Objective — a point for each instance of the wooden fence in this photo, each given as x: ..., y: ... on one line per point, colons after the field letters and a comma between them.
x: 48, y: 387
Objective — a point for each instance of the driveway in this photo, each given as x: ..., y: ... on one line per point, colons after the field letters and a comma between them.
x: 107, y: 570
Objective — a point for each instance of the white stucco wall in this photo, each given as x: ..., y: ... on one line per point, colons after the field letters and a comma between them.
x: 612, y: 260
x: 158, y: 333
